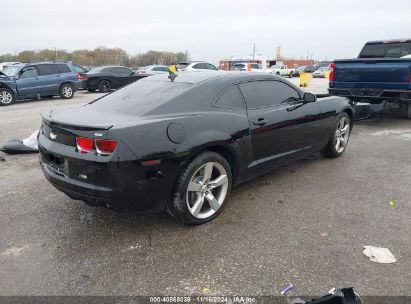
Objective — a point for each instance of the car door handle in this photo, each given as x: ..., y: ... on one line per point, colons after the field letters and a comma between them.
x: 260, y: 122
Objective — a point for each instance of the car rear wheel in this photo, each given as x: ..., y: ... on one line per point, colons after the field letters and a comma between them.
x: 104, y: 86
x: 6, y: 97
x: 201, y: 190
x: 66, y: 91
x: 339, y: 140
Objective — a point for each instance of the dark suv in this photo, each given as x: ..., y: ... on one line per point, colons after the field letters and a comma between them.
x: 38, y: 80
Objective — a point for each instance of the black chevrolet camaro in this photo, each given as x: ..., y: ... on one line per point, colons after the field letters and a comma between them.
x: 180, y: 146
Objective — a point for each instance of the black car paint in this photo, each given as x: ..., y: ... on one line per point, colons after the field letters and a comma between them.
x: 126, y: 181
x: 116, y: 80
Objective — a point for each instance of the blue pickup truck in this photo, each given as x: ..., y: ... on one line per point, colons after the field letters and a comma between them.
x: 381, y: 73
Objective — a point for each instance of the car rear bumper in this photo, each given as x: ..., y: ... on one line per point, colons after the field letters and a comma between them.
x: 371, y: 94
x: 118, y: 185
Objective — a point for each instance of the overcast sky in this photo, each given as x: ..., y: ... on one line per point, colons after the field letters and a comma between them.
x: 209, y: 29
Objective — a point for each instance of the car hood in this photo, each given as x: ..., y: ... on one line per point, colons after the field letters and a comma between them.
x: 4, y: 76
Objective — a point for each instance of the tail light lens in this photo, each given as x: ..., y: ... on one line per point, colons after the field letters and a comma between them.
x: 105, y: 147
x: 84, y: 144
x: 81, y: 77
x: 142, y: 72
x: 332, y: 66
x: 409, y: 79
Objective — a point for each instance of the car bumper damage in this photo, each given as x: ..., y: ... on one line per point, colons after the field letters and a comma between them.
x: 120, y: 185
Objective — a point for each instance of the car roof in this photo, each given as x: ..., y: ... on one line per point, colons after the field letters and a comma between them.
x: 203, y: 76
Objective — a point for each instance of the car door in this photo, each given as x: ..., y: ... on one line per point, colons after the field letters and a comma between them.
x: 282, y: 125
x: 49, y: 79
x: 121, y: 77
x: 27, y: 82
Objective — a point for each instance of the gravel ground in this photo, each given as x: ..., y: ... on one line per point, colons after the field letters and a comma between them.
x: 305, y: 224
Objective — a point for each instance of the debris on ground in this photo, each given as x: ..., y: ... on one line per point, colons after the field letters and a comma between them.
x: 392, y: 203
x: 286, y: 289
x: 22, y: 146
x: 2, y: 158
x: 379, y: 254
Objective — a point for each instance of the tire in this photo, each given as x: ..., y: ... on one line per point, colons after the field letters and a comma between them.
x: 291, y: 75
x: 339, y: 140
x: 6, y: 97
x: 104, y: 86
x: 66, y: 91
x: 278, y: 74
x: 91, y: 90
x: 201, y: 202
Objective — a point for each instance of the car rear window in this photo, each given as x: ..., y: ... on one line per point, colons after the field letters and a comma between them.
x: 386, y: 50
x: 141, y: 97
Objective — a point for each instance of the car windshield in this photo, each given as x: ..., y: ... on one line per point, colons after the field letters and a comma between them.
x: 385, y: 50
x: 11, y: 70
x: 141, y: 97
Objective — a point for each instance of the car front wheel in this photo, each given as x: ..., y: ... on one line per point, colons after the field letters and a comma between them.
x: 339, y: 139
x: 6, y: 97
x: 201, y: 190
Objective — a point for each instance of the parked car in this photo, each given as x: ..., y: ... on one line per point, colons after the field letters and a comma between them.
x: 320, y: 73
x: 182, y: 145
x: 281, y: 70
x: 38, y: 80
x: 195, y: 66
x: 246, y: 66
x: 107, y: 78
x: 152, y: 70
x: 4, y: 65
x: 378, y: 74
x: 82, y: 71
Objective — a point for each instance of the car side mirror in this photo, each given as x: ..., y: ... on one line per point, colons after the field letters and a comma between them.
x: 309, y: 97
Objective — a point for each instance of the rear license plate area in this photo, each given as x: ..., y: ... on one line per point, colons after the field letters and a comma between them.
x: 58, y: 163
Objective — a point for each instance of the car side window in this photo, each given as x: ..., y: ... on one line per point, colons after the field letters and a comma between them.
x: 46, y: 69
x: 63, y: 68
x: 199, y: 66
x: 231, y: 98
x: 267, y: 93
x: 30, y: 71
x: 164, y: 69
x: 209, y: 66
x: 121, y: 71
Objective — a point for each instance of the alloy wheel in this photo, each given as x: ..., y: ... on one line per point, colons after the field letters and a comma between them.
x: 6, y: 97
x: 342, y: 134
x: 67, y: 91
x: 207, y: 190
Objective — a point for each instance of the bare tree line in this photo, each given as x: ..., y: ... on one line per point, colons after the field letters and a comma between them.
x: 98, y: 56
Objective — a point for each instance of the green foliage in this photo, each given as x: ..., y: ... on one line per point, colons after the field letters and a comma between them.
x: 99, y: 56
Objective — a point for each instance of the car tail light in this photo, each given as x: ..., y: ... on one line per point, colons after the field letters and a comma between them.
x: 331, y: 77
x: 84, y: 144
x: 409, y: 79
x: 105, y: 146
x: 81, y: 77
x: 142, y: 72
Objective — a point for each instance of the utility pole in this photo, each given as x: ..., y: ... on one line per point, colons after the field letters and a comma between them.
x: 253, y: 51
x: 57, y: 59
